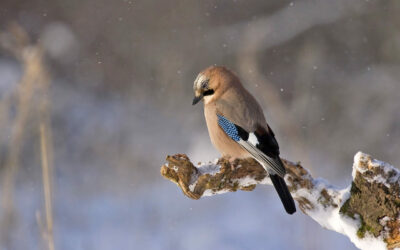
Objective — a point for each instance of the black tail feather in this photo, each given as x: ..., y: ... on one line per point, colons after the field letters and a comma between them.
x: 283, y: 192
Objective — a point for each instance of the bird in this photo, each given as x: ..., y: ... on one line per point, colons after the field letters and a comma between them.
x: 237, y: 126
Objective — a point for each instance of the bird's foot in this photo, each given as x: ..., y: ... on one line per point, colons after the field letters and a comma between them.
x: 233, y: 162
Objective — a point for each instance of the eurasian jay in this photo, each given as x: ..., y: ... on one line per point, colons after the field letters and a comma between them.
x: 237, y: 126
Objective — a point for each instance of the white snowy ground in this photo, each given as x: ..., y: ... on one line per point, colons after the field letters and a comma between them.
x: 160, y: 217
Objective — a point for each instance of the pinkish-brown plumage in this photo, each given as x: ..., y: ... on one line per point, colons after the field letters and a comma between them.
x: 235, y: 103
x: 226, y: 100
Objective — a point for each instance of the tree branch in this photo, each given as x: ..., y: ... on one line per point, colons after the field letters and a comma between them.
x: 367, y: 211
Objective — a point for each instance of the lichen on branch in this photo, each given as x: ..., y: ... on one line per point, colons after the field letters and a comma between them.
x: 367, y: 211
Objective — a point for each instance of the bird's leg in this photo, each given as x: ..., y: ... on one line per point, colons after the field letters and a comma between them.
x: 233, y: 162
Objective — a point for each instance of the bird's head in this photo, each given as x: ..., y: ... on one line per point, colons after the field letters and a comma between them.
x: 212, y: 83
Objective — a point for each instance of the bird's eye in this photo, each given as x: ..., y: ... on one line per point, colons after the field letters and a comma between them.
x: 204, y: 84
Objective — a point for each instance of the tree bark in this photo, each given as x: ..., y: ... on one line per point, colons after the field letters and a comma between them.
x: 367, y: 211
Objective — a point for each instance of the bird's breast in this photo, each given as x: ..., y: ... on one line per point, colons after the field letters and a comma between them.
x: 223, y: 143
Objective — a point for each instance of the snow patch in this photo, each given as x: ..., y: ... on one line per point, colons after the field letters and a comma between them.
x: 248, y: 181
x: 380, y: 179
x: 361, y: 159
x: 330, y: 217
x: 209, y: 168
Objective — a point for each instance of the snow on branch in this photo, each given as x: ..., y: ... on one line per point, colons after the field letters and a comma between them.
x: 367, y: 211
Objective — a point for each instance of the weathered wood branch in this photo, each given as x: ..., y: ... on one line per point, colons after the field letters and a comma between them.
x: 367, y: 211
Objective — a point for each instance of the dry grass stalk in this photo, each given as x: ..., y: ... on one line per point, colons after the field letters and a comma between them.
x: 34, y: 82
x: 46, y: 186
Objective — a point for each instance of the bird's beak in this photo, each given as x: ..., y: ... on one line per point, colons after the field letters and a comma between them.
x: 196, y: 99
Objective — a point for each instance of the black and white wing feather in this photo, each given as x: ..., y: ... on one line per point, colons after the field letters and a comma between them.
x: 262, y: 146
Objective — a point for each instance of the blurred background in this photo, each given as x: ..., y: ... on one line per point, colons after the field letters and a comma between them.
x: 94, y: 94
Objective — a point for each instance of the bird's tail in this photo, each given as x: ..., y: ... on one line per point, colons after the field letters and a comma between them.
x: 283, y: 192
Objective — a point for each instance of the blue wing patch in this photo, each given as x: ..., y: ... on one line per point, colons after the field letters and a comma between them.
x: 229, y: 128
x: 250, y: 142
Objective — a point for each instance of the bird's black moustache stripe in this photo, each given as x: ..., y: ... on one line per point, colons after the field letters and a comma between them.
x: 208, y: 92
